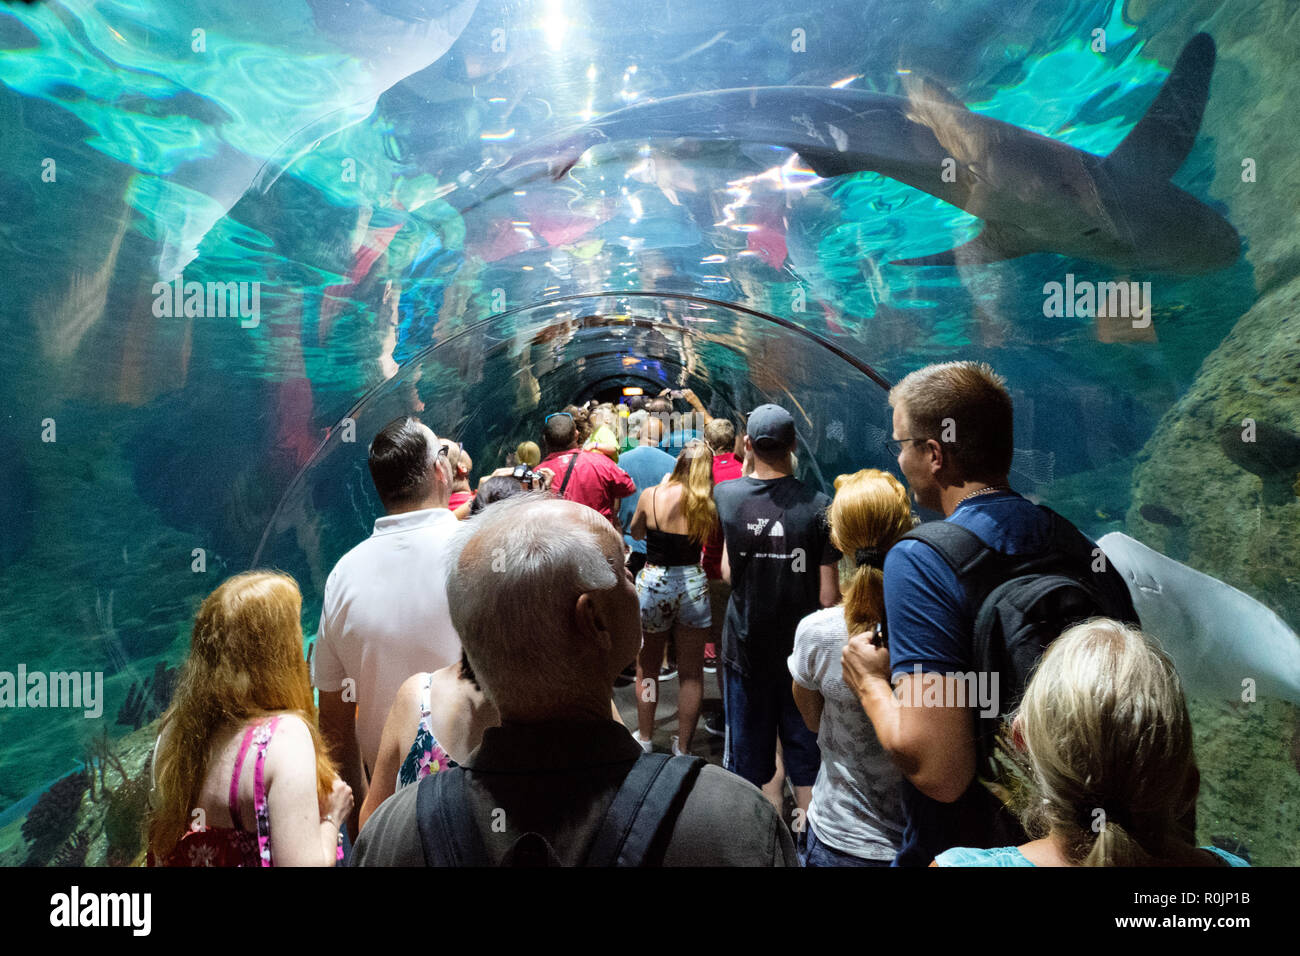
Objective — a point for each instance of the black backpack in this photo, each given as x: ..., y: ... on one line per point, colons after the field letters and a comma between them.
x: 1023, y: 602
x: 634, y: 832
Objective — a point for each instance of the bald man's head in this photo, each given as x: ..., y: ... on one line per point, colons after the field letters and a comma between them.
x: 541, y: 601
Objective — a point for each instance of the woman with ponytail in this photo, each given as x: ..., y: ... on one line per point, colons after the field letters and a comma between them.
x: 240, y: 758
x: 674, y: 518
x: 1107, y: 742
x: 856, y: 817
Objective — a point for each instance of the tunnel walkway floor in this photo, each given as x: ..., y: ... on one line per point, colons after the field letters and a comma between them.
x: 704, y: 745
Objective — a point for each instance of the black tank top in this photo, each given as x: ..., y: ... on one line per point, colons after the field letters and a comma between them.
x: 666, y: 549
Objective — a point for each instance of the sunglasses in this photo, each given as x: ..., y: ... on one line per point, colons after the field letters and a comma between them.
x: 553, y: 414
x: 445, y: 452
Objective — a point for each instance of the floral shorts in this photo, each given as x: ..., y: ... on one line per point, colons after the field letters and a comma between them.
x: 677, y: 595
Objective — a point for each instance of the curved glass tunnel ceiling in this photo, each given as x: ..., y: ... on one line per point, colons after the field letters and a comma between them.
x: 348, y: 167
x: 491, y: 386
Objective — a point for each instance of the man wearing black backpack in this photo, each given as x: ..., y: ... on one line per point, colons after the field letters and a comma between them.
x: 548, y: 616
x: 970, y: 603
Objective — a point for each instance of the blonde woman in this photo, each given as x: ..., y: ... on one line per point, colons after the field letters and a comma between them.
x: 241, y: 776
x: 1107, y: 740
x: 674, y: 519
x: 527, y: 453
x: 856, y: 814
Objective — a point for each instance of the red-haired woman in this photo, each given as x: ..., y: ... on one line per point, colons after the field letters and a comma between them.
x: 240, y: 758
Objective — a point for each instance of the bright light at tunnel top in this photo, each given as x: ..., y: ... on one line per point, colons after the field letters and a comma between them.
x: 554, y: 24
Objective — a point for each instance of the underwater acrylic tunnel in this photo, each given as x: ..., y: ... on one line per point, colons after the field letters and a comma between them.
x: 241, y: 237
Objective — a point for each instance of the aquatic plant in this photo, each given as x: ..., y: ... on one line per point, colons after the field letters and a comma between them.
x: 147, y: 699
x: 124, y: 822
x: 53, y: 817
x: 136, y: 706
x: 108, y: 632
x: 99, y: 758
x: 73, y: 853
x: 1012, y: 778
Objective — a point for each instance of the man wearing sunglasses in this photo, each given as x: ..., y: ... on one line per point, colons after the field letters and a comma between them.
x: 953, y: 438
x: 586, y: 477
x: 461, y: 465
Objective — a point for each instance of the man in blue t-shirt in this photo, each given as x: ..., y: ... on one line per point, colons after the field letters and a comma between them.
x: 953, y: 437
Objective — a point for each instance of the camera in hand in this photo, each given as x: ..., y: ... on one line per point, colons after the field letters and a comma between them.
x: 527, y: 477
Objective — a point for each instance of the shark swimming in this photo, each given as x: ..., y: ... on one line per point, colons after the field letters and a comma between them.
x: 1034, y: 193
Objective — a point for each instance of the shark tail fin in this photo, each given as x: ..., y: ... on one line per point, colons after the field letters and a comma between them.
x: 988, y: 246
x: 1161, y: 140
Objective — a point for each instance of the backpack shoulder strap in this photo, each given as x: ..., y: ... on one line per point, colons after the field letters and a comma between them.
x: 1067, y: 539
x: 637, y: 826
x: 978, y: 567
x: 1081, y: 551
x: 981, y: 568
x: 963, y: 550
x: 960, y: 547
x: 448, y: 834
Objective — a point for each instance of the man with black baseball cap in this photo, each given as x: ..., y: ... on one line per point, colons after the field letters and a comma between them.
x: 778, y: 556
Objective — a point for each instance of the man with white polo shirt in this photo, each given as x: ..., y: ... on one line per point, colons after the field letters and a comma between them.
x: 385, y: 614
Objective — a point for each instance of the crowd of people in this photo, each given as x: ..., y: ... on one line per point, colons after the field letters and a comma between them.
x: 468, y: 653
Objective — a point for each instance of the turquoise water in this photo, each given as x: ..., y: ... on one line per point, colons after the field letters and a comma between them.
x: 350, y: 161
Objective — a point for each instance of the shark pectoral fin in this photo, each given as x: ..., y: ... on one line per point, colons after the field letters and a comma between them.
x: 935, y: 108
x: 1161, y: 140
x: 989, y: 246
x: 921, y: 90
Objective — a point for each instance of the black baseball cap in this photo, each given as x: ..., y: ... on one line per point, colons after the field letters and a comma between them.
x: 771, y: 428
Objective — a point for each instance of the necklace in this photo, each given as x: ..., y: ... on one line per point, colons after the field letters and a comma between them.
x: 982, y: 491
